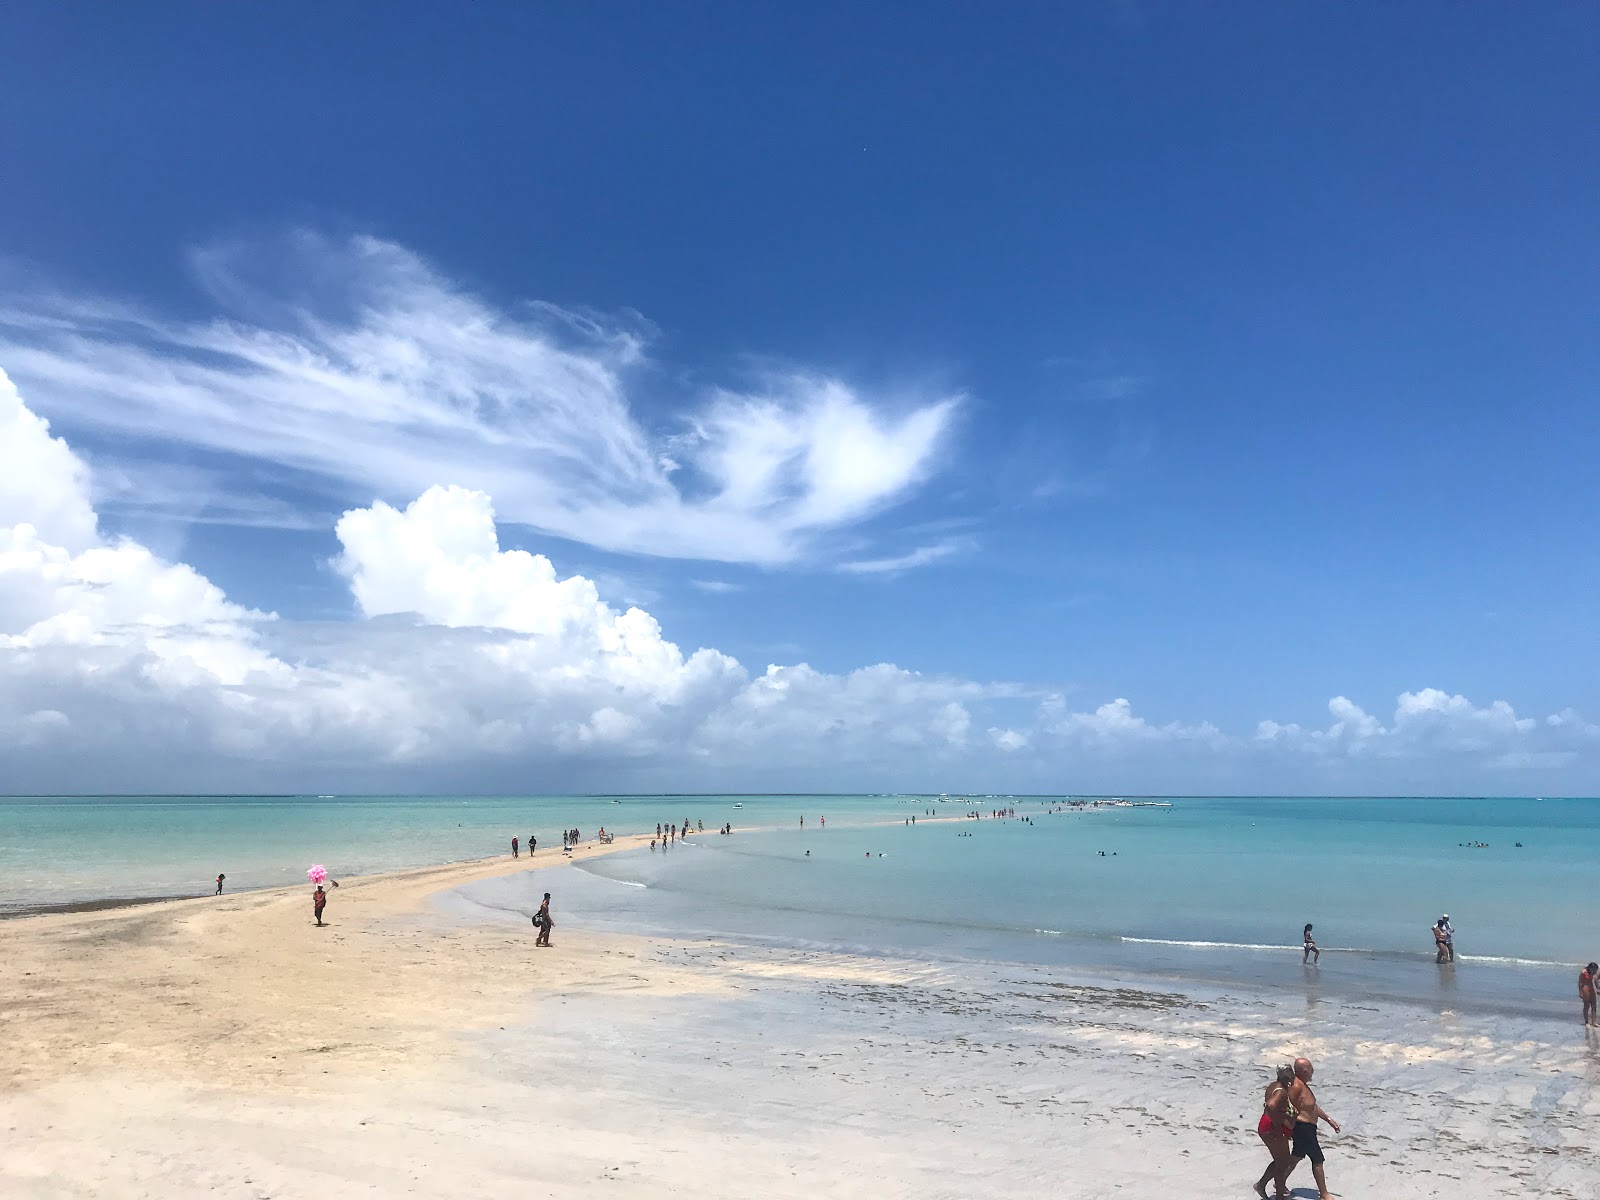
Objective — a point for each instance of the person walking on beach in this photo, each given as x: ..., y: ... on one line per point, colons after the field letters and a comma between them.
x: 1311, y: 954
x: 533, y: 844
x: 543, y: 921
x: 220, y: 878
x: 1307, y: 1112
x: 513, y: 846
x: 319, y: 901
x: 1588, y: 981
x: 1275, y: 1128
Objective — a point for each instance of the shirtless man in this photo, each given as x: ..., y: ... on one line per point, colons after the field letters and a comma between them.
x: 1307, y: 1112
x: 1588, y: 981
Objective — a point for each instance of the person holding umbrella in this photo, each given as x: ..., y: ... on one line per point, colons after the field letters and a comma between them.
x: 319, y: 898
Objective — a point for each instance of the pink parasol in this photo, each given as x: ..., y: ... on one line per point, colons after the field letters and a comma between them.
x: 317, y: 873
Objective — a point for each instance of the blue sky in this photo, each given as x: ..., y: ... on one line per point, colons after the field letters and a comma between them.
x: 1226, y: 360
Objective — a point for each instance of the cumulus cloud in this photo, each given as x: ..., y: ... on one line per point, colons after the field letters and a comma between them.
x: 41, y: 480
x: 121, y: 670
x: 1431, y: 723
x: 460, y: 649
x: 358, y: 366
x: 1116, y: 725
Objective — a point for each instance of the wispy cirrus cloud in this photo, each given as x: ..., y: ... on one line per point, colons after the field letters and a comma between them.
x: 360, y: 367
x: 922, y: 556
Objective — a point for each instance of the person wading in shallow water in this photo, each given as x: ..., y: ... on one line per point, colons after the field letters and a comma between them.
x: 1312, y: 953
x: 1588, y: 982
x: 1307, y: 1112
x: 220, y: 878
x: 1444, y: 941
x: 319, y: 901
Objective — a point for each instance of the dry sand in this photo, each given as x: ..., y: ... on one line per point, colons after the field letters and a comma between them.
x: 227, y: 1047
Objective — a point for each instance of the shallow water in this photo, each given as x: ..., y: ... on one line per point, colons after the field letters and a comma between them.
x: 1207, y: 889
x: 60, y: 849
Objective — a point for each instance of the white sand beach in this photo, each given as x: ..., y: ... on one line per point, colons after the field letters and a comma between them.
x: 227, y: 1047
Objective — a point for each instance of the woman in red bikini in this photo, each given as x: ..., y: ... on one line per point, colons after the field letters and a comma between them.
x: 1274, y: 1128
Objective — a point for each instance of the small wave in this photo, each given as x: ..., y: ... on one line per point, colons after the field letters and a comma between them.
x: 1205, y: 945
x: 1048, y: 932
x: 1508, y: 962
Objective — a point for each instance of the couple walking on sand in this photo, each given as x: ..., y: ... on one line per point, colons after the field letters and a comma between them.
x: 1288, y: 1128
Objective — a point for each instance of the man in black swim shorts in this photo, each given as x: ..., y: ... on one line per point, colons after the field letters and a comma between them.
x: 1307, y: 1112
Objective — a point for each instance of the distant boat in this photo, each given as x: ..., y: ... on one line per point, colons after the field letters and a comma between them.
x: 616, y: 802
x: 738, y: 806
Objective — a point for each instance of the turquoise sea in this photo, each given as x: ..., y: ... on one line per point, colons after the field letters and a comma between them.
x: 1206, y: 888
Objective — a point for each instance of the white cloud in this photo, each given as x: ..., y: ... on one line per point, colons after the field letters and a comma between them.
x: 461, y: 649
x: 360, y: 366
x: 122, y: 670
x: 1431, y: 723
x: 41, y: 480
x: 1115, y: 725
x: 716, y: 587
x: 1008, y: 740
x: 920, y: 557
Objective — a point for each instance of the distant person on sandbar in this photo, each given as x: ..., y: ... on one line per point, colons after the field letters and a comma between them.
x: 319, y: 901
x: 1307, y: 1112
x: 1275, y: 1128
x: 1588, y: 981
x: 513, y: 847
x: 220, y: 878
x: 1311, y: 954
x: 533, y: 843
x: 543, y: 921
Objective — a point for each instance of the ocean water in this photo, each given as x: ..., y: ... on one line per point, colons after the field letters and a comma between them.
x: 1207, y: 889
x: 1210, y: 889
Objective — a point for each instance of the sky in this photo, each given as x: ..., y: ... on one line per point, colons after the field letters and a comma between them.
x: 1124, y: 398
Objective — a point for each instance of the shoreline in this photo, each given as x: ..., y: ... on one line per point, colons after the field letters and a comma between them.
x: 235, y: 1049
x: 11, y: 910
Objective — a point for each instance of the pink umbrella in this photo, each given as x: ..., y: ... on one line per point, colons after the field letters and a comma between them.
x: 317, y: 873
